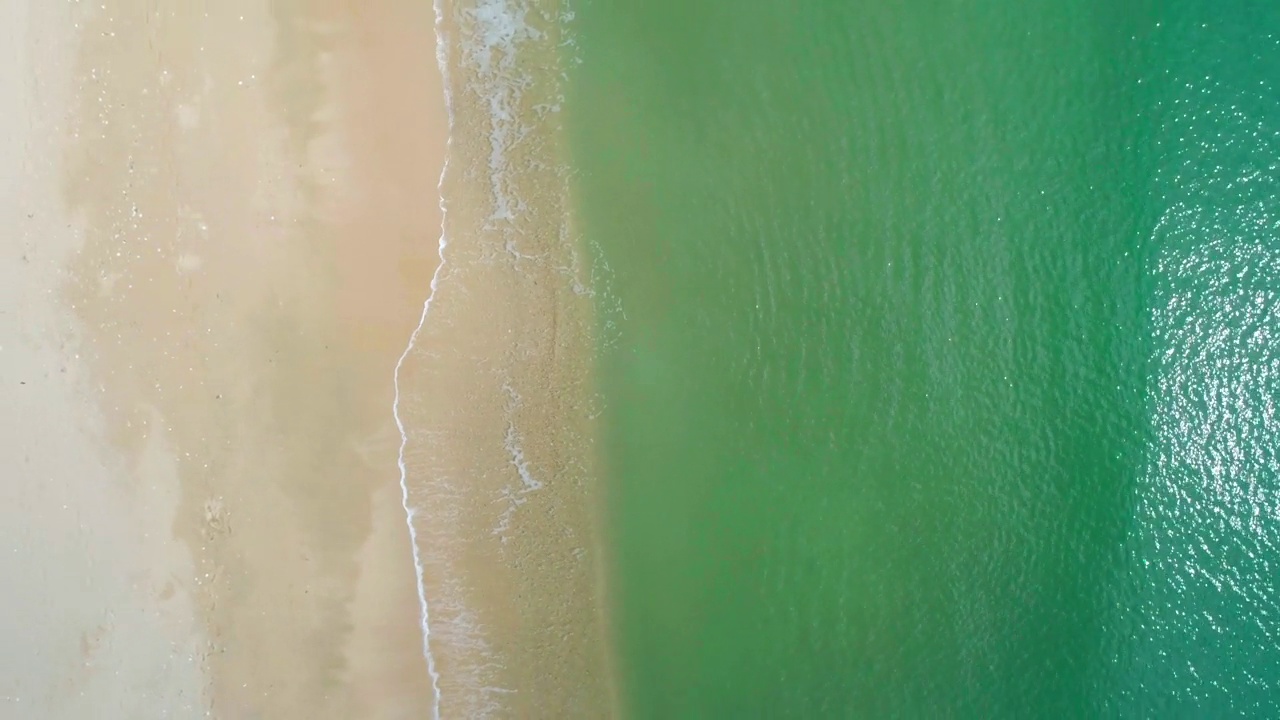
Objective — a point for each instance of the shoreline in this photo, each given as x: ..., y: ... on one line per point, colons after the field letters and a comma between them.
x: 251, y: 203
x: 232, y: 215
x: 500, y: 458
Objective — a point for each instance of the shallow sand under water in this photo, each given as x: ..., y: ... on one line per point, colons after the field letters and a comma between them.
x: 498, y: 392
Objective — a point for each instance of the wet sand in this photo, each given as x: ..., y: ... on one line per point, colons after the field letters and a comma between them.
x: 499, y: 398
x: 217, y: 245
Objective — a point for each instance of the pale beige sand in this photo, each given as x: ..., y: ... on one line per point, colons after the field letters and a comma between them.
x: 95, y: 620
x: 219, y: 224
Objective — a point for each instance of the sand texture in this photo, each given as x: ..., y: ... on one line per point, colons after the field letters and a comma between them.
x: 220, y: 223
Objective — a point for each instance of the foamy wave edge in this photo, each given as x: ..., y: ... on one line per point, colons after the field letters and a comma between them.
x: 410, y: 512
x: 493, y: 32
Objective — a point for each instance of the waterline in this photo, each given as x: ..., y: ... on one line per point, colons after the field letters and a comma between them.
x: 419, y: 572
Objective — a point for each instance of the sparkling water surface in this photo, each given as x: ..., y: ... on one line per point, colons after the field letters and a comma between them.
x: 940, y: 343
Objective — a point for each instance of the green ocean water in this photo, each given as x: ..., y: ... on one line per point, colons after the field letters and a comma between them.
x: 940, y: 344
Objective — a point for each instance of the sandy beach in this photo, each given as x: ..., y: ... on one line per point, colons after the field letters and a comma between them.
x: 221, y: 227
x: 219, y: 234
x: 498, y: 395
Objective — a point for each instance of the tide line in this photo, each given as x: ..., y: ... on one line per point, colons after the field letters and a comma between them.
x: 410, y: 512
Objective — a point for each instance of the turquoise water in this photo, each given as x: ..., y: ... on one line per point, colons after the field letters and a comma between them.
x: 941, y: 347
x: 1206, y: 534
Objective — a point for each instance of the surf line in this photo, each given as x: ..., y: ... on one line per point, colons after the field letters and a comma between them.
x: 410, y: 512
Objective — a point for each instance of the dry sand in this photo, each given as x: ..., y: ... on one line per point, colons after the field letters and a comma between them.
x: 219, y: 223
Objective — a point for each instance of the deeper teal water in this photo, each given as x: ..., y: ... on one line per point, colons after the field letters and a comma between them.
x: 941, y: 352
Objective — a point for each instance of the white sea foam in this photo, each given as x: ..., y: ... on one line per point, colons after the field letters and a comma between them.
x: 496, y: 29
x: 514, y: 445
x: 410, y: 511
x: 488, y: 39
